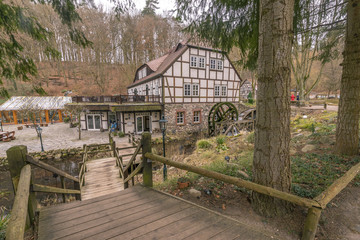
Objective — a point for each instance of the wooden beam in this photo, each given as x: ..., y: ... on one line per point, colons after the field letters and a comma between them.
x: 15, y: 117
x: 16, y: 227
x: 325, y: 197
x: 311, y: 224
x: 304, y: 202
x: 47, y: 116
x: 50, y: 168
x: 60, y: 116
x: 48, y: 189
x: 147, y: 163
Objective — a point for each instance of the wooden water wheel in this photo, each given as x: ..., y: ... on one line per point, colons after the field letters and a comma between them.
x: 220, y: 114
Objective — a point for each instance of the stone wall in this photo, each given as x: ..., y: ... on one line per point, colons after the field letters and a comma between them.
x: 189, y: 127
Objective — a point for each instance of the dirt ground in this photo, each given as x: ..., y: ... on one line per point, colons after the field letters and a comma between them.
x: 340, y: 220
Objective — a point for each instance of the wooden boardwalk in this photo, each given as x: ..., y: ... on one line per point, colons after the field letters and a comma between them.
x: 139, y: 213
x: 101, y: 178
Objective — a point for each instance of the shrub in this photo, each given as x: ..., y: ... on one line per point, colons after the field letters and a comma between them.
x: 66, y: 120
x: 121, y: 134
x: 203, y: 144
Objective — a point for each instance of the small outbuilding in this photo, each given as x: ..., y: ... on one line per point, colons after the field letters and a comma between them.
x: 17, y: 110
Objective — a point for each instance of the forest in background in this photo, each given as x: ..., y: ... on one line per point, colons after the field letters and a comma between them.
x: 120, y: 44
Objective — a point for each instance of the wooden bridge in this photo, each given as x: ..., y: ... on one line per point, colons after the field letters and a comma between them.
x: 109, y: 209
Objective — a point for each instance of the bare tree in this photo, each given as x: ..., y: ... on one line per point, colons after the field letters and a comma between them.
x: 75, y: 110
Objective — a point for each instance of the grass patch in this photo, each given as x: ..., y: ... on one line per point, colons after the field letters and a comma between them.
x: 203, y: 144
x: 313, y: 173
x: 4, y: 220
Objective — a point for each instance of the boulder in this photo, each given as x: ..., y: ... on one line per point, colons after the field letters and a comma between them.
x: 58, y: 157
x: 194, y: 193
x: 308, y: 148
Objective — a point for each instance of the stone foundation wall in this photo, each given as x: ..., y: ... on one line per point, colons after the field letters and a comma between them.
x: 189, y: 127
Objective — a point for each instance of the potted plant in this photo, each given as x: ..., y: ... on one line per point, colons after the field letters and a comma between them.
x: 183, y: 182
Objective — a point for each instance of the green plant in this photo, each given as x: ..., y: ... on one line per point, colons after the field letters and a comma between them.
x: 220, y: 140
x: 4, y: 220
x: 121, y: 134
x: 66, y: 119
x: 203, y: 144
x: 251, y: 137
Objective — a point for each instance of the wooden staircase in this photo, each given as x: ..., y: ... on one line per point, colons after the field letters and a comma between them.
x: 101, y: 178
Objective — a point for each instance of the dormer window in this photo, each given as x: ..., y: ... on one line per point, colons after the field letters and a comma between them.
x: 142, y: 73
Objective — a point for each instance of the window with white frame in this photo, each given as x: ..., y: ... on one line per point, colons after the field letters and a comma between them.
x: 223, y: 90
x: 193, y: 61
x: 195, y: 89
x: 142, y: 73
x: 197, y: 118
x: 216, y: 64
x: 219, y: 65
x: 187, y: 89
x: 212, y: 64
x: 217, y: 90
x: 201, y: 62
x: 196, y: 61
x: 180, y: 118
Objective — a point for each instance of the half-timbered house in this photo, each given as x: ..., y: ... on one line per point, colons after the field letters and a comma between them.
x: 183, y: 85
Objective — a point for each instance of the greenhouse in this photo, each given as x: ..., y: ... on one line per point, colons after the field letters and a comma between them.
x: 22, y: 110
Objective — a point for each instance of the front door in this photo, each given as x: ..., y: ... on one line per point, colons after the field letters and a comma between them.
x: 143, y: 124
x: 147, y: 124
x: 94, y: 121
x: 139, y: 124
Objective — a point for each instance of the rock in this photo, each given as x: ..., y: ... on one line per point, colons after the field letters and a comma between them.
x: 308, y: 148
x: 42, y: 154
x: 244, y: 174
x: 195, y: 193
x: 58, y: 157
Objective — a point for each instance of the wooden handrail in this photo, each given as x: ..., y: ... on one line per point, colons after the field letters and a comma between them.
x: 134, y: 172
x: 48, y: 189
x: 133, y: 157
x: 238, y: 182
x: 16, y: 227
x: 50, y: 168
x: 124, y: 148
x: 325, y: 197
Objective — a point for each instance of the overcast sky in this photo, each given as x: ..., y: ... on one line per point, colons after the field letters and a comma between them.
x: 164, y: 5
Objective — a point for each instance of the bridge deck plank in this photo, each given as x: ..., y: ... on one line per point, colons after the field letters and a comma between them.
x: 101, y: 178
x: 139, y: 213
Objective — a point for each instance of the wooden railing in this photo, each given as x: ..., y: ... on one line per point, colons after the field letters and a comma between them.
x: 25, y: 203
x: 131, y: 167
x: 315, y: 206
x: 117, y: 99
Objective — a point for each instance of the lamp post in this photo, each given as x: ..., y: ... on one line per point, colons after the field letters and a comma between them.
x: 1, y: 125
x: 39, y: 131
x: 162, y: 123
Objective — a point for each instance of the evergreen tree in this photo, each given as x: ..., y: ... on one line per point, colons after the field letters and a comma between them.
x: 150, y: 7
x: 15, y: 20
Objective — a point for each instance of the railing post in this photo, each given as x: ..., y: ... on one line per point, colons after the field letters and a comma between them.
x: 16, y: 156
x: 311, y: 223
x: 147, y: 170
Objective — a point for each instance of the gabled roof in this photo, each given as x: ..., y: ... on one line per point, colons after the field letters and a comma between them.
x: 162, y: 64
x: 44, y: 103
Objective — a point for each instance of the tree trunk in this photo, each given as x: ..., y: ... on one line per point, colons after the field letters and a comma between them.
x: 347, y: 130
x: 272, y: 135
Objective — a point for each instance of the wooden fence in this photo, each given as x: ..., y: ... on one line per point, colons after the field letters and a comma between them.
x: 315, y: 206
x: 25, y: 204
